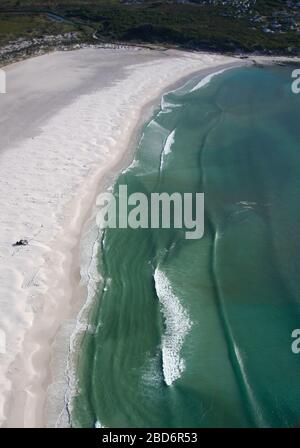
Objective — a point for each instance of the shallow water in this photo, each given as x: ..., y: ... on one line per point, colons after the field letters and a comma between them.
x: 197, y: 333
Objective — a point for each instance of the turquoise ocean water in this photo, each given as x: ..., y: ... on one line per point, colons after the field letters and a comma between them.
x: 197, y: 333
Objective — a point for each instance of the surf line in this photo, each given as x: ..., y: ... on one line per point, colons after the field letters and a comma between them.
x: 160, y: 210
x: 177, y: 326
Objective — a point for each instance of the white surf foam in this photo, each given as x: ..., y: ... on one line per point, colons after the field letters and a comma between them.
x: 166, y: 106
x: 98, y: 425
x: 207, y: 79
x: 177, y: 324
x: 169, y: 143
x: 135, y: 163
x: 167, y: 148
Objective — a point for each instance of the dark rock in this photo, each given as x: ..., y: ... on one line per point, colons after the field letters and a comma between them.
x: 21, y: 243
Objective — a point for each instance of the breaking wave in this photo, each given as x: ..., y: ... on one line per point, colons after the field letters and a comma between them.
x: 207, y: 79
x: 177, y: 324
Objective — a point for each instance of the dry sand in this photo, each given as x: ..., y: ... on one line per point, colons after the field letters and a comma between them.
x: 66, y: 130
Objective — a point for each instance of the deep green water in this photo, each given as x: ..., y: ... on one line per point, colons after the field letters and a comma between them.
x: 215, y: 315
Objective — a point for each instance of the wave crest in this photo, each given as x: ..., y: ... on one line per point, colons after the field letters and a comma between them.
x: 177, y: 324
x: 207, y: 79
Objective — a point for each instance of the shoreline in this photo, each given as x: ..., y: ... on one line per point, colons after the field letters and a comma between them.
x: 37, y: 372
x: 75, y: 46
x: 82, y: 322
x: 60, y: 299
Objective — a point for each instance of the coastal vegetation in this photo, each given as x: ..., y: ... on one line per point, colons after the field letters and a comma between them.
x: 269, y: 26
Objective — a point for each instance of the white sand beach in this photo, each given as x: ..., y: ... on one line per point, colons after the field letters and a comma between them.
x: 67, y: 124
